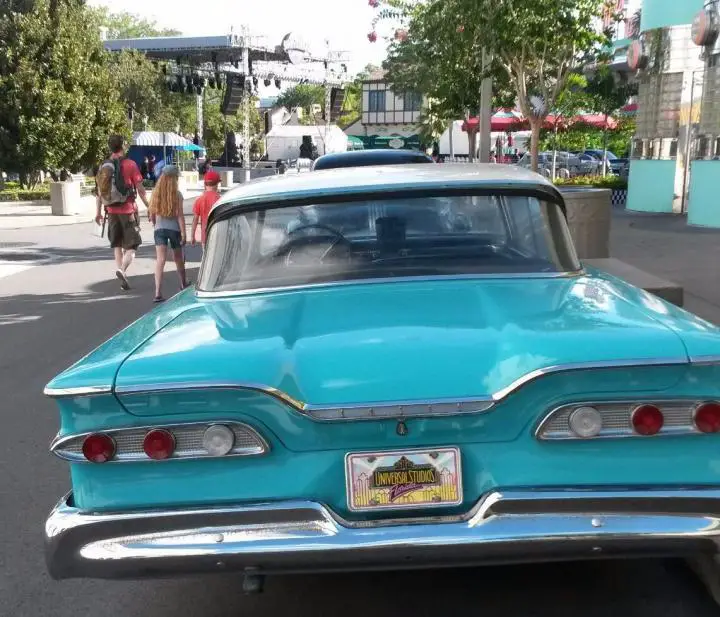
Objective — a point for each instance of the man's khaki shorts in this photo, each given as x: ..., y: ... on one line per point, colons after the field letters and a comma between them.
x: 124, y: 231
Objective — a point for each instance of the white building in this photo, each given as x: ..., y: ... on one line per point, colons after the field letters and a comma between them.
x: 388, y: 119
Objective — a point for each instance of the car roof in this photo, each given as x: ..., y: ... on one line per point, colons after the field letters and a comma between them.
x: 364, y: 158
x: 385, y: 178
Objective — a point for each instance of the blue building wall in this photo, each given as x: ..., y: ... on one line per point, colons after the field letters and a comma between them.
x: 664, y: 13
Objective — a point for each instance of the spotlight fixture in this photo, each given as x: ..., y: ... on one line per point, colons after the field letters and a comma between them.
x: 278, y: 83
x: 266, y: 82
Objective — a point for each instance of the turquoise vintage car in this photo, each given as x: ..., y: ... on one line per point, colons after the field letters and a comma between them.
x: 390, y: 367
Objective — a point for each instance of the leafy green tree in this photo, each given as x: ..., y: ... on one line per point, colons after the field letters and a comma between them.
x: 573, y: 99
x: 57, y: 105
x: 539, y: 44
x: 303, y: 96
x: 124, y: 25
x: 608, y: 94
x: 216, y: 125
x: 441, y: 57
x: 536, y: 43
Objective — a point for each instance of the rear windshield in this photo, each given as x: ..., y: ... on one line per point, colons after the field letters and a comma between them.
x: 390, y: 238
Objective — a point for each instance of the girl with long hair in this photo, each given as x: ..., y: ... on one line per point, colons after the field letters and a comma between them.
x: 166, y: 214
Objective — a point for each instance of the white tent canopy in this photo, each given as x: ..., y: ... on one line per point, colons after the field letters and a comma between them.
x: 283, y: 142
x: 157, y: 139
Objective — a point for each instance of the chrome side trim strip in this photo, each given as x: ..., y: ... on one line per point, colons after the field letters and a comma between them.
x: 397, y: 279
x: 306, y: 536
x: 212, y: 385
x: 705, y: 360
x: 356, y: 411
x: 399, y: 409
x: 72, y: 392
x: 583, y: 366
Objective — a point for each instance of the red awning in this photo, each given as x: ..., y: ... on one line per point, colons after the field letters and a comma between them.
x: 507, y: 122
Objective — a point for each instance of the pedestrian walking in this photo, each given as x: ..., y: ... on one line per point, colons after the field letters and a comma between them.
x: 203, y: 205
x: 166, y: 215
x: 119, y: 183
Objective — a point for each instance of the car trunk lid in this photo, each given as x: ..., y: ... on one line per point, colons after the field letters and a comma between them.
x: 400, y: 341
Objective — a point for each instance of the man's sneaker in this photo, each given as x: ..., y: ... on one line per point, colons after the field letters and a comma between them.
x: 124, y: 284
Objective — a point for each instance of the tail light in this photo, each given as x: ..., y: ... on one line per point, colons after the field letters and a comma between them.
x: 98, y: 448
x: 628, y: 418
x: 159, y: 444
x: 647, y: 420
x: 218, y: 440
x: 189, y: 440
x: 586, y: 422
x: 707, y: 417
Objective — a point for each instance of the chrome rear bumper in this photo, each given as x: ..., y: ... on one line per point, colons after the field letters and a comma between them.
x: 299, y: 536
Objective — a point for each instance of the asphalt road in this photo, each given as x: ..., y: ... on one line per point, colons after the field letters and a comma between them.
x: 53, y: 313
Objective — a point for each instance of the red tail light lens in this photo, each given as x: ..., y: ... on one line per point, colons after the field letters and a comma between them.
x: 159, y: 444
x: 707, y: 418
x: 647, y: 420
x: 98, y: 448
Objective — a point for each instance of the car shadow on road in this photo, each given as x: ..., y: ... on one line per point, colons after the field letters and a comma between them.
x: 592, y: 589
x: 59, y: 254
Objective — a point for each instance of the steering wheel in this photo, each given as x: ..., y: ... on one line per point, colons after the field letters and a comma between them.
x: 331, y: 236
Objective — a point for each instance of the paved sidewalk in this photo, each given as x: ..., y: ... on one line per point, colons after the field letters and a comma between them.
x: 37, y: 214
x: 665, y: 246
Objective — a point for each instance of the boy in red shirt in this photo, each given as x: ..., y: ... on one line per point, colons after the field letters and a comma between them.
x: 204, y: 203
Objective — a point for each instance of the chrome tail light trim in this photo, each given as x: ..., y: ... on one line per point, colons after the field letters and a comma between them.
x: 188, y: 439
x: 679, y: 415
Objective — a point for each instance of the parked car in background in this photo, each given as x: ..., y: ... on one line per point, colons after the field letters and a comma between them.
x: 366, y: 158
x: 431, y: 379
x: 617, y: 166
x: 563, y: 161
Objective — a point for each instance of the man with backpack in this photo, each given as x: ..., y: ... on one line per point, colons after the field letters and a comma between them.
x: 119, y: 182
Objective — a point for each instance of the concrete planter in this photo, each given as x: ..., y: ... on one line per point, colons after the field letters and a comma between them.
x: 64, y: 198
x: 227, y: 178
x: 589, y: 212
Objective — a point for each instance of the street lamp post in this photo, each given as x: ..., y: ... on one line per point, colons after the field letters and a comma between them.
x: 246, y: 104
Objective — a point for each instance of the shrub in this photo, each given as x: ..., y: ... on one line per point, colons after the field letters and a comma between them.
x: 17, y: 194
x: 598, y: 182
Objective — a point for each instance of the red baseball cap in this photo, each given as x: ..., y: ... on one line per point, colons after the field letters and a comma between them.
x: 212, y: 177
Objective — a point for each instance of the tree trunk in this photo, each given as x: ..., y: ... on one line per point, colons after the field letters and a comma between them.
x: 472, y: 143
x: 605, y: 140
x: 450, y: 134
x: 535, y: 125
x: 554, y: 163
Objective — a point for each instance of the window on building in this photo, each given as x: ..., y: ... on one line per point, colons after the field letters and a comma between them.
x: 376, y: 101
x: 412, y: 101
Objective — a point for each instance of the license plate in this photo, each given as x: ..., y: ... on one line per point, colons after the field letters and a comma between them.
x: 404, y: 479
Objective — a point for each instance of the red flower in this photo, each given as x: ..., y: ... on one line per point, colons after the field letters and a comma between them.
x: 401, y: 35
x: 372, y: 37
x: 461, y: 28
x: 374, y: 3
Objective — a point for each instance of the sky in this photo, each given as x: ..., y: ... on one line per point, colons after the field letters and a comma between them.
x: 345, y: 23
